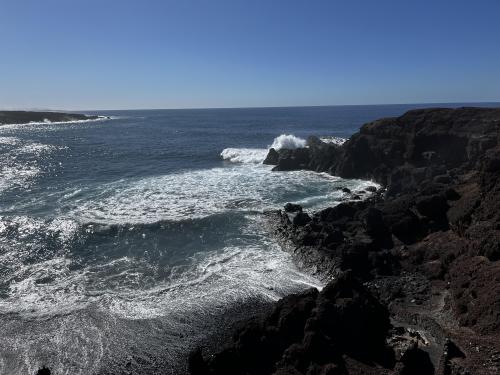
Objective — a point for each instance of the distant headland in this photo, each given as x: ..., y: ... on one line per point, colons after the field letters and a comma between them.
x: 26, y: 117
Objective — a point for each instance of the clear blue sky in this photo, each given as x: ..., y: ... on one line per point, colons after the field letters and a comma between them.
x: 103, y: 54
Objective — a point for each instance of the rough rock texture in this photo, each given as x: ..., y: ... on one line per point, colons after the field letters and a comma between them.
x: 315, y: 333
x: 24, y: 117
x: 425, y: 252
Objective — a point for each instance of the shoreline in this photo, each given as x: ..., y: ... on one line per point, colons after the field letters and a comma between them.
x: 423, y: 257
x: 8, y: 118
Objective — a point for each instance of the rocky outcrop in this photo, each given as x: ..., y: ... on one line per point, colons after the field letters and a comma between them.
x: 424, y: 252
x: 317, y: 155
x: 342, y: 327
x: 25, y: 117
x: 420, y: 146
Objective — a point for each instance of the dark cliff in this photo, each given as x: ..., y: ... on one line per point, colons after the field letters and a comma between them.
x: 424, y: 253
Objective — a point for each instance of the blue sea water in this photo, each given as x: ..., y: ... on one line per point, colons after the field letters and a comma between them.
x: 122, y: 239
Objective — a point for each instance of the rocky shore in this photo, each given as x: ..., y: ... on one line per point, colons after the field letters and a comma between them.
x: 25, y: 117
x: 412, y: 273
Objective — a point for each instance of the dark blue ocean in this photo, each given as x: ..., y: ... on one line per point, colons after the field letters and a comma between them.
x: 122, y: 240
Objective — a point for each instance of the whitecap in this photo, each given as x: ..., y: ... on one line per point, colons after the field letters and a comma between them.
x: 244, y: 155
x: 257, y: 155
x: 288, y: 141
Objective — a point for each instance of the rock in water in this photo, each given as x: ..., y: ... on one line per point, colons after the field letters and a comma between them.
x: 290, y: 207
x: 272, y: 157
x: 290, y: 160
x: 427, y: 252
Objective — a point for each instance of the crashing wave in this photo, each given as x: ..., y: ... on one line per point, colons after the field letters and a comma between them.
x: 257, y: 155
x: 288, y: 141
x: 244, y: 155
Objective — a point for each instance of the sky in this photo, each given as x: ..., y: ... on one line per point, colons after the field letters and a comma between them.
x: 110, y: 54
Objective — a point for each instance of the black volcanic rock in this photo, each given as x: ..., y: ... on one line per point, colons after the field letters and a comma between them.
x: 307, y: 330
x: 317, y: 155
x: 301, y: 219
x: 24, y: 117
x: 292, y: 159
x: 424, y: 251
x: 272, y: 157
x: 290, y: 207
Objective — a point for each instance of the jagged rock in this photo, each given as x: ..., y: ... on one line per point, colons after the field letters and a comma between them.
x: 272, y: 157
x: 428, y: 249
x: 301, y: 219
x: 307, y: 330
x: 290, y: 160
x: 290, y: 207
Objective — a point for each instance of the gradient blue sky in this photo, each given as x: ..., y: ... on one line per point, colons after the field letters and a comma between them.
x: 88, y: 54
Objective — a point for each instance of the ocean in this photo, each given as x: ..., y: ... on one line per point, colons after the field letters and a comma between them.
x: 126, y: 242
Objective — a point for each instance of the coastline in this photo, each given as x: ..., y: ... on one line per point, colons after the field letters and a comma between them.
x: 38, y: 118
x: 422, y: 256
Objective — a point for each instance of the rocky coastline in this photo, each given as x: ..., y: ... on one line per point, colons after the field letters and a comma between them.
x: 412, y: 273
x: 26, y: 117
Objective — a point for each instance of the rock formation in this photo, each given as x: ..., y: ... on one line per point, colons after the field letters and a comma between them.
x: 413, y: 273
x: 25, y: 117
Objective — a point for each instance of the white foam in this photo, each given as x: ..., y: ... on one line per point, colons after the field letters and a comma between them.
x: 333, y: 140
x: 11, y: 141
x: 213, y: 279
x: 200, y: 193
x: 288, y: 141
x: 257, y: 155
x: 47, y: 121
x: 21, y: 160
x: 17, y: 176
x: 244, y: 155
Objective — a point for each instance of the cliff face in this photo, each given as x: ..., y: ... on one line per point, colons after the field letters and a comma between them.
x: 425, y: 251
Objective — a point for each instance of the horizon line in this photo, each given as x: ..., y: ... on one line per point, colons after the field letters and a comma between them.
x: 34, y: 109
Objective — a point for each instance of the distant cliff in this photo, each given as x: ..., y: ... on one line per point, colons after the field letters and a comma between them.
x: 25, y: 117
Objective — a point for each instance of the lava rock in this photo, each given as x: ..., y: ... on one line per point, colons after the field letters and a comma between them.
x: 290, y: 160
x: 272, y: 157
x: 290, y: 207
x: 301, y: 219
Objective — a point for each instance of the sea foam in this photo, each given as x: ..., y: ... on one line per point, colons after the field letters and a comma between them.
x: 288, y: 141
x: 244, y: 155
x: 257, y: 155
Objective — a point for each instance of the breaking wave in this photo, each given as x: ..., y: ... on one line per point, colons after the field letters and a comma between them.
x: 288, y: 141
x: 244, y: 155
x: 257, y: 155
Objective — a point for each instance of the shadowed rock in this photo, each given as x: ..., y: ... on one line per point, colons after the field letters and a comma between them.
x: 425, y: 250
